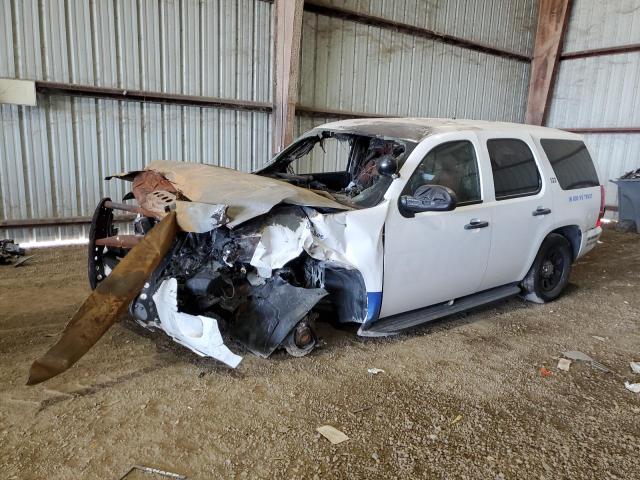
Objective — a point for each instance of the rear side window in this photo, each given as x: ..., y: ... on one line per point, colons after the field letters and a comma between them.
x: 515, y: 173
x: 571, y: 163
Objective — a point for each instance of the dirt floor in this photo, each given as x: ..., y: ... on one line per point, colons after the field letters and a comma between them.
x: 463, y: 398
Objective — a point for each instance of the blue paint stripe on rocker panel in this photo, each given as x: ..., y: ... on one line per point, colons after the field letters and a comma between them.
x: 374, y: 302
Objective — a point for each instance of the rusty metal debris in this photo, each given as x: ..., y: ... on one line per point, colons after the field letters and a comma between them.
x: 145, y: 188
x: 120, y: 241
x: 102, y: 308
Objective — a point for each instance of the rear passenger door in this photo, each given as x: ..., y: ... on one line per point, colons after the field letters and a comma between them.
x: 521, y: 206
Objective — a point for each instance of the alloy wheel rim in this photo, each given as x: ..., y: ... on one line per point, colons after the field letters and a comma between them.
x: 551, y: 271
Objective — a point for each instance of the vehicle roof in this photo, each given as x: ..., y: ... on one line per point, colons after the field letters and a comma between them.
x: 416, y: 129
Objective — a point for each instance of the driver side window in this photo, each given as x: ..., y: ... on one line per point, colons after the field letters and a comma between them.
x: 453, y: 165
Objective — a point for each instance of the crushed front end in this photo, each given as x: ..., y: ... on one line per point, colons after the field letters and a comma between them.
x: 220, y: 254
x: 262, y: 283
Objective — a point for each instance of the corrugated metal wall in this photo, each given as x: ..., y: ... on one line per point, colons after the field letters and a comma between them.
x: 602, y: 91
x: 53, y: 157
x: 507, y: 24
x: 355, y: 67
x: 218, y: 48
x: 599, y: 24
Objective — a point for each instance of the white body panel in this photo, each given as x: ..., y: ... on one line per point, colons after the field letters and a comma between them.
x: 516, y: 234
x: 431, y: 258
x: 574, y: 207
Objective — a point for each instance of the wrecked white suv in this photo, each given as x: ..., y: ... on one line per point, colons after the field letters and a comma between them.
x: 388, y: 223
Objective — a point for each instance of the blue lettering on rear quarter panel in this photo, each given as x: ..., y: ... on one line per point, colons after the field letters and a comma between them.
x: 580, y: 196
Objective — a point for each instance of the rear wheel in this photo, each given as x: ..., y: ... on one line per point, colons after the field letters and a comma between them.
x: 550, y: 271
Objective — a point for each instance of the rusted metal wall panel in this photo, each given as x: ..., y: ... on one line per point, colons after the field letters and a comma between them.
x: 53, y: 157
x: 596, y: 24
x: 360, y: 68
x: 505, y: 24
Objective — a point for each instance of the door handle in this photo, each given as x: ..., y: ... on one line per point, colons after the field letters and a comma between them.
x: 541, y: 211
x: 476, y: 224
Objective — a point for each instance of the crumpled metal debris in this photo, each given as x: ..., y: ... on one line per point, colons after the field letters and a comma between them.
x: 10, y: 251
x: 254, y: 255
x: 103, y: 307
x: 247, y: 195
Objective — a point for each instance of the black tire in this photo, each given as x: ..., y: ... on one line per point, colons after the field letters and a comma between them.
x: 550, y: 271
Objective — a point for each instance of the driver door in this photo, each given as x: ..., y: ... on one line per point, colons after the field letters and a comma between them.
x: 437, y: 256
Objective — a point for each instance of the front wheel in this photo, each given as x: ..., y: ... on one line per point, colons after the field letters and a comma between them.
x: 301, y: 340
x: 550, y: 271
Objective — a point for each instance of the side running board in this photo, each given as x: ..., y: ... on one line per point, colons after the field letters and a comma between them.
x: 404, y: 321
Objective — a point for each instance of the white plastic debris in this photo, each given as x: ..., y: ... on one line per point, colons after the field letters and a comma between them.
x: 635, y: 367
x: 375, y: 371
x: 200, y: 217
x: 600, y: 339
x: 332, y: 434
x: 198, y: 333
x: 632, y: 387
x: 564, y: 364
x: 583, y: 357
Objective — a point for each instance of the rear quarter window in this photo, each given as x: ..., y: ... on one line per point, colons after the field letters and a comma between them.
x: 571, y: 163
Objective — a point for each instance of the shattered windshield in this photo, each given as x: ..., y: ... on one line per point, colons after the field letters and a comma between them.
x: 342, y: 164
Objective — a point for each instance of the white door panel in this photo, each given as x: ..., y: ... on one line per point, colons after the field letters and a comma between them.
x: 432, y: 258
x: 516, y: 232
x: 516, y: 237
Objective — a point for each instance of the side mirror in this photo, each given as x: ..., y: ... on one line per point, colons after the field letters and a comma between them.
x: 387, y: 166
x: 427, y: 198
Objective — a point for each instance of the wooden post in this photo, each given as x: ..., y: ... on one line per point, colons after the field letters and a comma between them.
x: 552, y: 24
x: 288, y: 16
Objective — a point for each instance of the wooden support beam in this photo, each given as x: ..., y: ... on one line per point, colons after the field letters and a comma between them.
x: 552, y: 24
x: 288, y: 15
x: 598, y: 52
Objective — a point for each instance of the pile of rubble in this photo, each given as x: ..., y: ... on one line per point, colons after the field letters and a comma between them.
x: 10, y: 253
